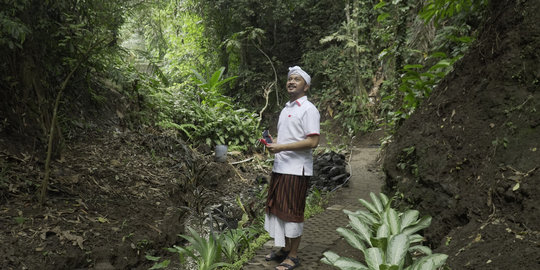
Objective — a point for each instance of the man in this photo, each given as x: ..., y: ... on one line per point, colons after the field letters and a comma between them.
x: 298, y: 132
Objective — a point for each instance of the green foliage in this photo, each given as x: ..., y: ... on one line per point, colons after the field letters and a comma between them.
x: 159, y: 265
x: 387, y: 238
x: 211, y: 94
x: 353, y: 118
x: 167, y: 40
x: 227, y: 250
x: 206, y: 252
x: 258, y: 40
x: 13, y: 30
x: 249, y: 252
x: 233, y: 242
x: 335, y: 98
x: 440, y: 36
x: 315, y: 203
x: 439, y: 10
x: 232, y: 248
x: 201, y: 123
x: 168, y: 37
x: 44, y: 42
x: 253, y: 216
x: 345, y: 68
x: 417, y: 85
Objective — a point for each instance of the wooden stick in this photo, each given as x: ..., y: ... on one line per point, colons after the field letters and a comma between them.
x: 242, y: 161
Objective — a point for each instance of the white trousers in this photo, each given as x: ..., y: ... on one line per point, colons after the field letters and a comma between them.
x: 279, y: 229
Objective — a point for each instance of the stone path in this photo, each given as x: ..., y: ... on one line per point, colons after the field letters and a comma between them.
x: 320, y: 231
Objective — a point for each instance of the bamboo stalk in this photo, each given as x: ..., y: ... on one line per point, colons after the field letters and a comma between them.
x: 45, y: 182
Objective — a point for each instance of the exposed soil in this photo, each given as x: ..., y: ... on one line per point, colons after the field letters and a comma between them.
x: 469, y: 156
x: 113, y: 199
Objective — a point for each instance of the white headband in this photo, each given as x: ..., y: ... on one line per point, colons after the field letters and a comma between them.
x: 299, y: 71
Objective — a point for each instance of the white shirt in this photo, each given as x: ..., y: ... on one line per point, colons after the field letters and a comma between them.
x: 298, y: 120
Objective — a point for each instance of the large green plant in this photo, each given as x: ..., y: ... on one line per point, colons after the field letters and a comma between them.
x: 218, y: 250
x: 206, y: 252
x: 204, y: 115
x: 387, y: 238
x: 234, y: 242
x: 211, y: 92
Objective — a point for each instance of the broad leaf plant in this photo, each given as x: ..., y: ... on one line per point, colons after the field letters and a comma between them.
x: 388, y: 239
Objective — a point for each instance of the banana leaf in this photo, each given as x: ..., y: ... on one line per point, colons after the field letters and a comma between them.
x: 364, y: 216
x: 415, y: 238
x: 379, y: 242
x: 384, y: 199
x: 383, y: 231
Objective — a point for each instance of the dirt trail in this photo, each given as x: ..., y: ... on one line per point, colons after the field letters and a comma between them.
x: 320, y: 231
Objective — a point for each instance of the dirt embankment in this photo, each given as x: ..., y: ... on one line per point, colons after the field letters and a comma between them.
x: 113, y: 199
x: 470, y: 155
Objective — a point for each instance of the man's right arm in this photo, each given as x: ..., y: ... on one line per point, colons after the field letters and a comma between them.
x: 307, y: 143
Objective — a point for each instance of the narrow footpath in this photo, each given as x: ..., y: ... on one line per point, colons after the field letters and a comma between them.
x: 320, y: 231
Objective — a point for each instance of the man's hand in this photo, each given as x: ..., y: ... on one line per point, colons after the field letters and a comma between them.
x: 274, y: 148
x: 307, y: 143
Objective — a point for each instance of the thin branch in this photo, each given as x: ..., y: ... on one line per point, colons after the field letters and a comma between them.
x: 45, y: 182
x: 273, y: 68
x: 241, y: 161
x: 266, y: 94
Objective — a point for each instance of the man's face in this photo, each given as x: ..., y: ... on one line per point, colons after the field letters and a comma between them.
x: 296, y: 86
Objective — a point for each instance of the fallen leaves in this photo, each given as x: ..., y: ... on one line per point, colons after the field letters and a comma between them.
x: 518, y: 176
x: 63, y: 236
x: 103, y: 220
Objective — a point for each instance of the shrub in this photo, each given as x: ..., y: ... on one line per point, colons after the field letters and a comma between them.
x: 387, y: 238
x: 207, y: 116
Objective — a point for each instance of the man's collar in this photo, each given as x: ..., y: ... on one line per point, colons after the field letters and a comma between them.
x: 298, y: 102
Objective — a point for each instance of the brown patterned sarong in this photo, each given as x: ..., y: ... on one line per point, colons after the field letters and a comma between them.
x: 287, y: 196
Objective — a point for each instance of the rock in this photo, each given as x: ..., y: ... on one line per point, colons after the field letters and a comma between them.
x: 329, y: 171
x: 338, y: 180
